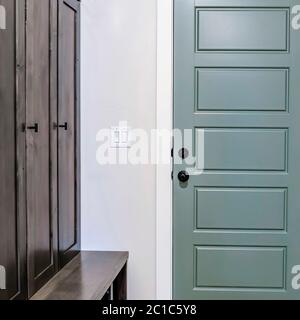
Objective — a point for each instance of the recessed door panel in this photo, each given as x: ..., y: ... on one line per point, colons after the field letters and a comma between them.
x: 262, y: 268
x: 242, y: 29
x: 41, y: 257
x: 244, y: 149
x: 257, y: 208
x: 68, y: 135
x: 259, y: 89
x: 10, y: 212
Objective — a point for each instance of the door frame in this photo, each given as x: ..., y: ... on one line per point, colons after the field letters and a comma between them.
x: 164, y: 118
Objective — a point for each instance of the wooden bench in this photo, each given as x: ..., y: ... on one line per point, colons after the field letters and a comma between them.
x: 89, y: 276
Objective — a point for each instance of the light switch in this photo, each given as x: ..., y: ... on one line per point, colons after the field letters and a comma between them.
x: 120, y: 137
x: 124, y: 136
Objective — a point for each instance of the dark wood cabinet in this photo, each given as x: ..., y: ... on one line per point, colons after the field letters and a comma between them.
x: 40, y: 145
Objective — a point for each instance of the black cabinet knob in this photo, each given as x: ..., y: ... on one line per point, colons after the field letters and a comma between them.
x: 183, y: 176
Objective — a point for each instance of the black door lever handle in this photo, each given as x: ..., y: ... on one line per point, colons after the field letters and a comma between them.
x: 35, y: 127
x: 63, y: 126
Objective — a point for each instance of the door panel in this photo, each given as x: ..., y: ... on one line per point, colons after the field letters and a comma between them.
x: 257, y: 208
x: 244, y: 149
x: 262, y: 89
x: 255, y: 27
x: 213, y: 261
x: 12, y: 213
x: 236, y: 221
x: 41, y: 246
x: 68, y: 136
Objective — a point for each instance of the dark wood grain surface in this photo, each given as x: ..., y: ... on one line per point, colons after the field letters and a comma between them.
x: 9, y: 220
x: 68, y: 137
x: 41, y: 257
x: 29, y: 160
x: 87, y: 277
x: 21, y: 148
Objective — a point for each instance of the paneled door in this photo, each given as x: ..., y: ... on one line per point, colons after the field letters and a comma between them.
x: 68, y: 131
x: 41, y: 139
x: 237, y: 208
x: 12, y: 152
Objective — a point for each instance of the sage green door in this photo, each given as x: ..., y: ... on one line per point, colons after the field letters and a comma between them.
x: 237, y: 87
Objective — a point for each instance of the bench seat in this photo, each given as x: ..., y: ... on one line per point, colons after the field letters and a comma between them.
x: 89, y: 276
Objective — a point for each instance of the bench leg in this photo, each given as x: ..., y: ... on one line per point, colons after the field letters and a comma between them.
x: 120, y: 285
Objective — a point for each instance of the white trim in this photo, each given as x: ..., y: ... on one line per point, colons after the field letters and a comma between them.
x: 164, y: 121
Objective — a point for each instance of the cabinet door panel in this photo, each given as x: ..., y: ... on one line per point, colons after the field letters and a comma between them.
x: 41, y: 227
x: 68, y: 136
x: 12, y: 213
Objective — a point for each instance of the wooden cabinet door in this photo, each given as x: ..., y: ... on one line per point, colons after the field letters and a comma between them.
x: 41, y: 143
x: 12, y: 146
x: 68, y: 131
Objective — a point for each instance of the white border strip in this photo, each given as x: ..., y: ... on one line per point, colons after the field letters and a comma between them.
x: 164, y: 121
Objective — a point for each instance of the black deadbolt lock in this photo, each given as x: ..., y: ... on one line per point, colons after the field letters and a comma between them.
x: 183, y: 153
x: 183, y: 176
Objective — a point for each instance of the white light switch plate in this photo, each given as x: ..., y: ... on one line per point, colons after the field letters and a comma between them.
x: 120, y: 137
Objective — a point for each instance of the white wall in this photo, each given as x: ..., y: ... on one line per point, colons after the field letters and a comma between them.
x: 119, y: 83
